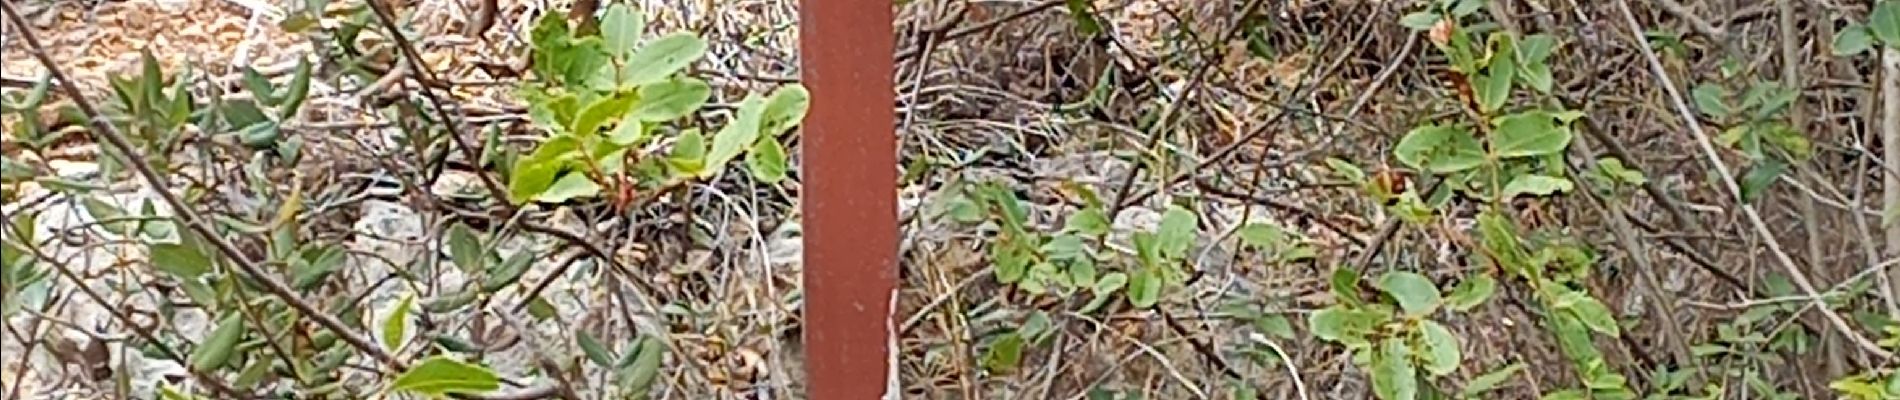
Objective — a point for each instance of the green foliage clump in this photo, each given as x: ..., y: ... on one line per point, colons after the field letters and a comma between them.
x: 605, y: 98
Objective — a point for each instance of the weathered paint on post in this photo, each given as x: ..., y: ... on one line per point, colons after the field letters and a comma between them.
x: 849, y: 166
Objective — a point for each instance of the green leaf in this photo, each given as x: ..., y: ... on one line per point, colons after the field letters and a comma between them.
x: 1416, y: 294
x: 1859, y: 387
x: 1464, y: 8
x: 1529, y: 134
x: 1536, y: 185
x: 454, y: 344
x: 1852, y: 40
x: 439, y: 375
x: 1566, y: 394
x: 396, y: 324
x: 785, y: 109
x: 464, y: 248
x: 641, y: 365
x: 1786, y: 138
x: 1084, y: 17
x: 1590, y: 312
x: 1144, y: 288
x: 689, y: 152
x: 1004, y: 354
x: 571, y: 186
x: 447, y: 303
x: 1768, y: 99
x: 1065, y: 247
x: 1471, y: 293
x: 102, y: 211
x: 68, y: 186
x: 14, y: 171
x: 621, y: 27
x: 1345, y: 286
x: 1442, y: 353
x: 549, y: 32
x: 185, y: 260
x: 1110, y: 283
x: 1420, y: 20
x: 1495, y: 87
x: 671, y: 99
x: 1344, y: 325
x: 1262, y: 235
x: 1614, y: 169
x: 1760, y: 177
x: 1088, y: 221
x: 767, y: 161
x: 298, y: 91
x: 530, y: 179
x: 587, y: 64
x: 1439, y: 149
x: 166, y: 392
x: 540, y: 309
x: 1531, y: 67
x: 595, y: 351
x: 1013, y: 212
x: 1537, y: 76
x: 542, y: 113
x: 1393, y: 375
x: 661, y: 58
x: 736, y: 136
x: 1012, y: 262
x: 1885, y: 22
x: 1490, y: 380
x: 508, y: 272
x: 216, y: 350
x: 1346, y: 170
x: 534, y: 173
x: 1748, y: 139
x: 1535, y: 49
x: 260, y: 135
x: 1712, y: 100
x: 630, y: 132
x: 1177, y: 232
x: 602, y: 112
x: 964, y: 210
x: 1082, y: 272
x: 327, y: 260
x: 255, y: 82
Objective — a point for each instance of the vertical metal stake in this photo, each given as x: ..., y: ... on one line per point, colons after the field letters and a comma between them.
x: 849, y: 166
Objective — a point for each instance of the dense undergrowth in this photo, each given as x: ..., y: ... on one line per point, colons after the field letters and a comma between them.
x: 1533, y: 190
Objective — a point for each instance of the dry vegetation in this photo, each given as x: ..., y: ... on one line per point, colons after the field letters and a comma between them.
x: 1278, y: 126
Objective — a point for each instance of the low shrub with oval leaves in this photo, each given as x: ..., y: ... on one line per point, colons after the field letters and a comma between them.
x: 612, y: 101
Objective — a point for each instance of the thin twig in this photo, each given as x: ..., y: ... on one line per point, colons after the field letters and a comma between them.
x: 548, y: 366
x: 910, y: 53
x: 1266, y: 128
x: 1697, y: 23
x: 124, y: 150
x: 1150, y: 350
x: 1164, y: 122
x: 1728, y: 181
x: 428, y: 78
x: 144, y: 334
x: 1286, y: 359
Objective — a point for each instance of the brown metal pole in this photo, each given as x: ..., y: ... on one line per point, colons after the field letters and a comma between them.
x: 849, y: 161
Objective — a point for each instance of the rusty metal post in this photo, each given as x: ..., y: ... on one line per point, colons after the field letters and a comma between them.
x: 849, y: 166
